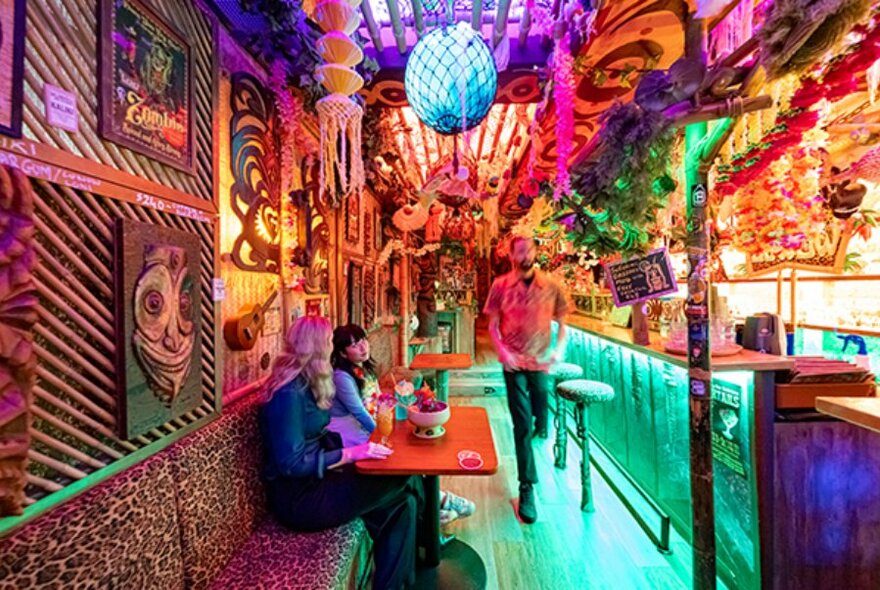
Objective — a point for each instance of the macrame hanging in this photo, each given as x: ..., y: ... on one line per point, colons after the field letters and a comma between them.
x: 340, y: 121
x: 339, y: 117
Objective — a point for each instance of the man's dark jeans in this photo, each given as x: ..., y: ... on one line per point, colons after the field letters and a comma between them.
x: 527, y: 393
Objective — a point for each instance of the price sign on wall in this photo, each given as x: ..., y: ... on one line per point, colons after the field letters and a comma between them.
x: 639, y: 279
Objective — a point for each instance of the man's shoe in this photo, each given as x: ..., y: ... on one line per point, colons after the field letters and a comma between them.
x: 528, y: 512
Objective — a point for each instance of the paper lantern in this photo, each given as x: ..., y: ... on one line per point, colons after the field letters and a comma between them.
x: 339, y: 79
x: 450, y: 79
x: 336, y: 48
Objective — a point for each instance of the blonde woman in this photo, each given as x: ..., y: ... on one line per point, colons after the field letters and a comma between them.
x: 310, y: 482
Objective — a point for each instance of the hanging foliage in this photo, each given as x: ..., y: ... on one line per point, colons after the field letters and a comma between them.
x: 615, y: 198
x: 797, y: 33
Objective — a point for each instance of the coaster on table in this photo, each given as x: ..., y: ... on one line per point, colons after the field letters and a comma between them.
x: 470, y: 460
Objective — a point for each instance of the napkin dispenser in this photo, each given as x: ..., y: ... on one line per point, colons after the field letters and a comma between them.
x: 765, y: 332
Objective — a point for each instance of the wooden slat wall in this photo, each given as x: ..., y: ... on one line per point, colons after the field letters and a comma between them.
x: 62, y: 49
x: 74, y: 426
x: 74, y: 414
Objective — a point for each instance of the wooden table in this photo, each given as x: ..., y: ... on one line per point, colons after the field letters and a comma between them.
x: 468, y: 429
x: 861, y: 411
x: 441, y: 363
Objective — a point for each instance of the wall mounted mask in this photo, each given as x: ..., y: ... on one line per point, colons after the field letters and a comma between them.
x: 164, y: 333
x: 158, y: 324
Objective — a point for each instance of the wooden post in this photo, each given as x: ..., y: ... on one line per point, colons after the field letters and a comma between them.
x: 793, y: 299
x: 405, y: 286
x: 779, y: 283
x: 699, y: 341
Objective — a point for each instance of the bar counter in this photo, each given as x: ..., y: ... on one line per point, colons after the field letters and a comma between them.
x: 786, y: 512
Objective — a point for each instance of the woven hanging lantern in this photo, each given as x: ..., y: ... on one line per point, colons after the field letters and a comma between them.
x: 339, y: 117
x: 450, y: 79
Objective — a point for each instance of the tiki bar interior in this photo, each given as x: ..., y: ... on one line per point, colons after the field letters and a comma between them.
x: 463, y: 294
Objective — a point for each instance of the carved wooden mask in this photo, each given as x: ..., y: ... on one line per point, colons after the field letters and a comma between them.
x: 164, y: 331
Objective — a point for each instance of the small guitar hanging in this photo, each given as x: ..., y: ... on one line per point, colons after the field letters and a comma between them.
x: 243, y: 331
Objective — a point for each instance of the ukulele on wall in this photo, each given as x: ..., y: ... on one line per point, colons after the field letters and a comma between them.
x: 242, y: 332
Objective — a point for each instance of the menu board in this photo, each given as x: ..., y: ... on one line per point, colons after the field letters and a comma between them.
x: 642, y: 278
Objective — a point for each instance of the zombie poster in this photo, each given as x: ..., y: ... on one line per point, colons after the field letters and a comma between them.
x: 12, y: 14
x: 146, y: 86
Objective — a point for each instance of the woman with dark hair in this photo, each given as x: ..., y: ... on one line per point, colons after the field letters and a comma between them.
x: 354, y: 374
x: 310, y: 483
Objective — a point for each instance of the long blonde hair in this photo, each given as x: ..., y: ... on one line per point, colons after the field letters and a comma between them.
x: 307, y: 349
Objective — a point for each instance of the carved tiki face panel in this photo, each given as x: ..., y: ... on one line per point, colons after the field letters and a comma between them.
x: 164, y: 330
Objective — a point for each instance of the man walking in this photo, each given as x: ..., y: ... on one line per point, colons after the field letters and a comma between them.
x: 520, y: 307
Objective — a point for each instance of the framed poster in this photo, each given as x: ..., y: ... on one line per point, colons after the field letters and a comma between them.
x: 158, y: 323
x: 145, y: 84
x: 12, y: 15
x: 355, y: 294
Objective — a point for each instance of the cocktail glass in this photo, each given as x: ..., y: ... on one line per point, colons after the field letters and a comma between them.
x: 385, y: 421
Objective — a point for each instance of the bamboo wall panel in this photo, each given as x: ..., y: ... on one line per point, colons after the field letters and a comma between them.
x: 62, y: 50
x: 74, y: 431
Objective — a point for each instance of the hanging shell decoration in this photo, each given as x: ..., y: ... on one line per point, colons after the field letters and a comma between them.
x: 338, y: 115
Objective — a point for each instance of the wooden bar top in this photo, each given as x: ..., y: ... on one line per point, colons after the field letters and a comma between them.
x: 468, y: 429
x: 441, y: 362
x: 746, y: 360
x: 861, y: 411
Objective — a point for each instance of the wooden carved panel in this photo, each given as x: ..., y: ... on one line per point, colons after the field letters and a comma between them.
x: 158, y: 314
x: 369, y: 296
x: 313, y: 252
x: 352, y: 219
x: 355, y: 294
x: 18, y: 299
x: 368, y: 233
x: 256, y: 169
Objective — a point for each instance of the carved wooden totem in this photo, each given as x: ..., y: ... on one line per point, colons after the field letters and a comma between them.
x: 18, y: 294
x: 426, y: 302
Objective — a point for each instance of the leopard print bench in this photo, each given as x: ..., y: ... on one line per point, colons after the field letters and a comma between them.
x: 228, y: 539
x: 121, y: 534
x: 191, y: 516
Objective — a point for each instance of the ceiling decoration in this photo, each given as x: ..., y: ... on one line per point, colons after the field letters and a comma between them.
x: 500, y: 139
x: 402, y: 23
x: 451, y: 79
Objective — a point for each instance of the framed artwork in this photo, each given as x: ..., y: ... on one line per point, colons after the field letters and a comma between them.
x: 352, y: 219
x: 12, y: 17
x: 158, y: 325
x: 355, y: 294
x: 145, y: 84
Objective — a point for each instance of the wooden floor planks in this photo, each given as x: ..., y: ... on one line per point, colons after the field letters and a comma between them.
x: 566, y: 548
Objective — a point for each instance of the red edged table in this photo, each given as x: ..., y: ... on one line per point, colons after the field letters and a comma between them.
x: 468, y: 429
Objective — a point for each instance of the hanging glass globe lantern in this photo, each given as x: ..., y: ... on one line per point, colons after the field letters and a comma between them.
x: 450, y: 79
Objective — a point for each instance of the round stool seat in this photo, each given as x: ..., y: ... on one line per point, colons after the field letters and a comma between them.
x: 566, y: 371
x: 583, y: 391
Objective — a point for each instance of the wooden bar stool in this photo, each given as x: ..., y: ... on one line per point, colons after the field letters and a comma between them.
x: 562, y: 372
x: 582, y: 393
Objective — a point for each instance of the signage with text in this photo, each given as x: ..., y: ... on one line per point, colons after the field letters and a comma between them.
x: 638, y: 279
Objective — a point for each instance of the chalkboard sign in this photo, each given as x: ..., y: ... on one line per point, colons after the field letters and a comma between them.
x: 638, y: 279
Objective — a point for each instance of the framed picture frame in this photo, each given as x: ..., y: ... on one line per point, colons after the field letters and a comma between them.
x: 355, y: 294
x: 158, y: 325
x: 12, y: 23
x: 145, y: 83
